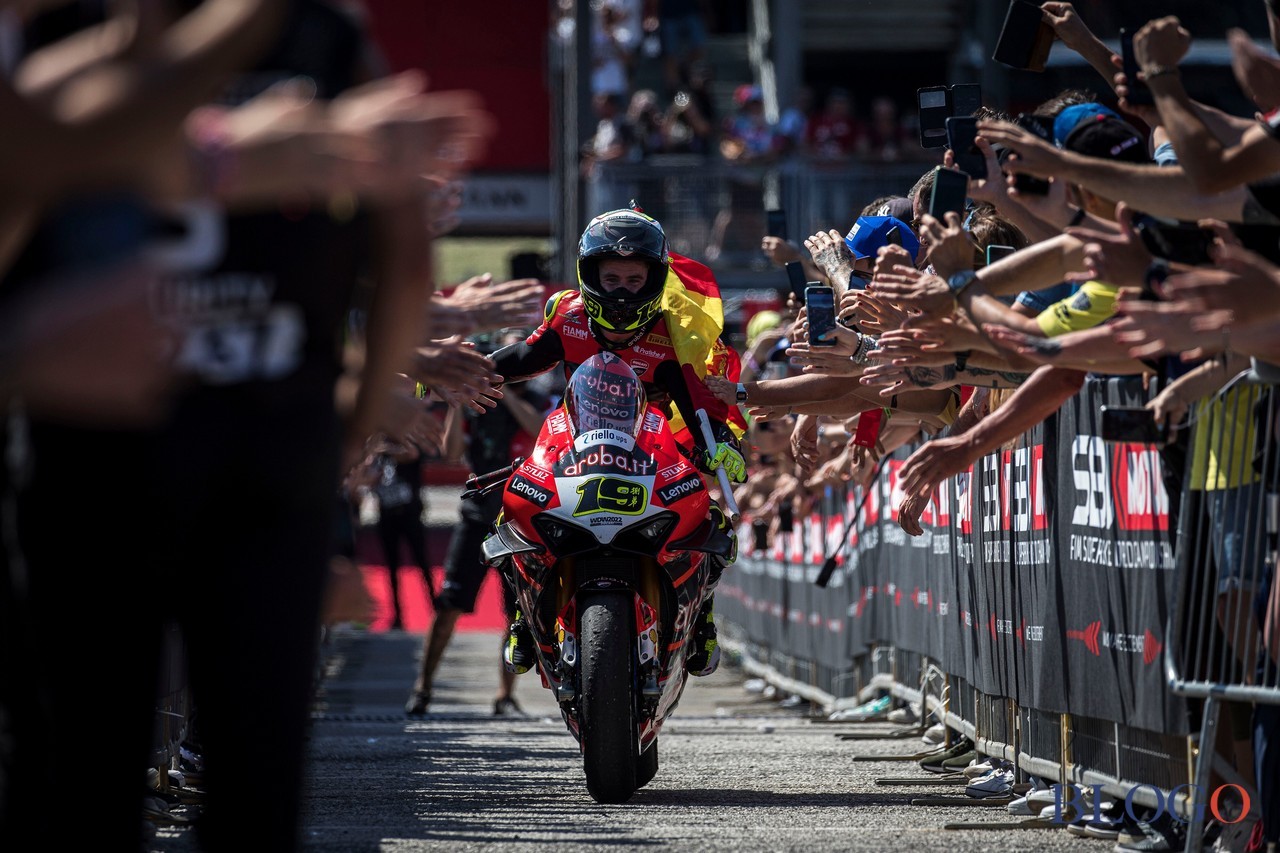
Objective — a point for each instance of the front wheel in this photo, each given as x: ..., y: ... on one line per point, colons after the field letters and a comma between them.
x: 647, y: 766
x: 607, y: 705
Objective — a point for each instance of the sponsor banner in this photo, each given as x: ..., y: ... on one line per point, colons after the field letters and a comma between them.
x: 1043, y: 574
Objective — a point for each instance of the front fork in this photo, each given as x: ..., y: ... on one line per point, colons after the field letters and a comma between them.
x: 647, y: 646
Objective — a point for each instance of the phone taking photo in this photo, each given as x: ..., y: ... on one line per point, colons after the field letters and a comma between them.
x: 950, y: 190
x: 775, y: 223
x: 1131, y: 425
x: 820, y: 308
x: 1025, y: 38
x: 1175, y: 241
x: 1042, y: 128
x: 961, y: 133
x: 1139, y: 95
x: 997, y: 253
x: 795, y: 276
x: 936, y: 104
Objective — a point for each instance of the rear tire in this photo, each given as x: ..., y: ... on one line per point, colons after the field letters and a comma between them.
x: 647, y: 765
x: 608, y: 717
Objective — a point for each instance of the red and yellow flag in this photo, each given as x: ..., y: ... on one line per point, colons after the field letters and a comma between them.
x: 694, y: 313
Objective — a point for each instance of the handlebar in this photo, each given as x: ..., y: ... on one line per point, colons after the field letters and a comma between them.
x: 479, y: 485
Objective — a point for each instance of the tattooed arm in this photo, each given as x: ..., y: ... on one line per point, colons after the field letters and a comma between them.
x: 831, y: 255
x: 1095, y: 349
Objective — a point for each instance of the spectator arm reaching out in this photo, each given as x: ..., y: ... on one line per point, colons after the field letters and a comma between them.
x: 1041, y: 395
x: 1094, y: 349
x: 1158, y: 190
x: 1074, y: 33
x: 1212, y: 165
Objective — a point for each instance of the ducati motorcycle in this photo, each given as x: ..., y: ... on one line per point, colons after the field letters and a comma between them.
x: 612, y: 542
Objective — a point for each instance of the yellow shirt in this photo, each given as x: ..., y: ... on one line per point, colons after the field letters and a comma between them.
x: 1092, y: 304
x: 1223, y: 443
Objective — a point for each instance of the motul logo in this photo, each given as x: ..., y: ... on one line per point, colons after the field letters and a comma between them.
x: 1137, y: 479
x: 1089, y: 636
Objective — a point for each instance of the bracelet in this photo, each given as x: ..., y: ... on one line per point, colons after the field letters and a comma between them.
x: 1153, y: 71
x: 962, y: 358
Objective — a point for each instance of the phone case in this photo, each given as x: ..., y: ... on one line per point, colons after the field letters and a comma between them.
x: 1025, y: 39
x: 935, y: 108
x: 820, y: 304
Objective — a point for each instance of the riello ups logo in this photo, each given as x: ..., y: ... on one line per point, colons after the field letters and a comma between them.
x: 1118, y: 485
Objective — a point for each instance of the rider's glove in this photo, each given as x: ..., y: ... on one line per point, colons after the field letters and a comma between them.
x: 726, y: 456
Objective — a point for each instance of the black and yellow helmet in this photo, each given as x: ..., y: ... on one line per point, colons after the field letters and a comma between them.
x: 629, y: 235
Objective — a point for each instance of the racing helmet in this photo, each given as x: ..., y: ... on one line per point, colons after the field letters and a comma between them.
x: 628, y: 235
x: 605, y: 393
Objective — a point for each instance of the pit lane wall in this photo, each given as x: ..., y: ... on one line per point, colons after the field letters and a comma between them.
x: 1032, y: 611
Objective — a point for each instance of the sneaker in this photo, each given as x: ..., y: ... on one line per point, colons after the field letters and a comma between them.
x: 936, y: 733
x: 980, y: 767
x: 998, y: 783
x: 704, y: 658
x: 416, y: 704
x: 754, y: 685
x: 876, y: 709
x: 518, y: 655
x: 1020, y: 807
x: 933, y: 763
x: 1107, y: 825
x: 957, y: 763
x: 1161, y: 835
x: 507, y: 707
x: 905, y: 714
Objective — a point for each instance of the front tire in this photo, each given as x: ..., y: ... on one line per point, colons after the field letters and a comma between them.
x: 608, y: 708
x: 647, y: 765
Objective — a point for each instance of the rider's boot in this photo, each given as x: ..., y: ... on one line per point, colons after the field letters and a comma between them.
x: 518, y: 653
x: 704, y: 653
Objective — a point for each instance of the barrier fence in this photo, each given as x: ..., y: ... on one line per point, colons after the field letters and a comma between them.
x: 1059, y: 607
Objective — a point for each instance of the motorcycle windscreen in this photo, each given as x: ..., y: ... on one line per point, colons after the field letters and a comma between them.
x: 605, y: 393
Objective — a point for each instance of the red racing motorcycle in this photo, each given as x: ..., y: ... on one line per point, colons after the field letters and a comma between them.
x: 611, y: 540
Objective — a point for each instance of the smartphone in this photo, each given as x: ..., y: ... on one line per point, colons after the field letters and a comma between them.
x: 786, y: 517
x: 935, y: 108
x: 1179, y: 242
x: 966, y: 98
x: 1139, y: 94
x: 950, y: 189
x: 820, y: 305
x: 1131, y: 424
x: 795, y: 275
x: 893, y: 236
x: 961, y: 132
x: 995, y: 253
x: 1025, y: 38
x: 775, y: 223
x: 1042, y: 127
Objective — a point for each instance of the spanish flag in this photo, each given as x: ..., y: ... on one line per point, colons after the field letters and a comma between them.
x: 694, y: 313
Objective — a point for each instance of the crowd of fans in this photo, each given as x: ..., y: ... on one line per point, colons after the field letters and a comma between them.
x: 673, y: 110
x: 938, y: 339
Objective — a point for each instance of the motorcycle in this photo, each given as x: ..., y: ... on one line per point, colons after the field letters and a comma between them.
x: 612, y: 543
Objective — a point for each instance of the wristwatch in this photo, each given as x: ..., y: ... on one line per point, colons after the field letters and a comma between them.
x: 958, y: 281
x: 742, y: 393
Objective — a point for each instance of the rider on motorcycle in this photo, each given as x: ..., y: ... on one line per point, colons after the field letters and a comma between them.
x: 622, y: 270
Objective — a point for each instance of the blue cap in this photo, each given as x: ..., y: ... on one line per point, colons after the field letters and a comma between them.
x: 1071, y: 117
x: 868, y: 234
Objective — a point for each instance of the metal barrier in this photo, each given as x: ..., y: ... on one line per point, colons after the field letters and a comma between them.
x: 1225, y: 623
x: 1072, y: 568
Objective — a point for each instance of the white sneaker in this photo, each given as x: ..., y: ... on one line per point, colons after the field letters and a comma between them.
x: 754, y: 685
x: 905, y: 714
x: 979, y: 767
x: 1020, y: 807
x: 997, y: 783
x: 936, y: 733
